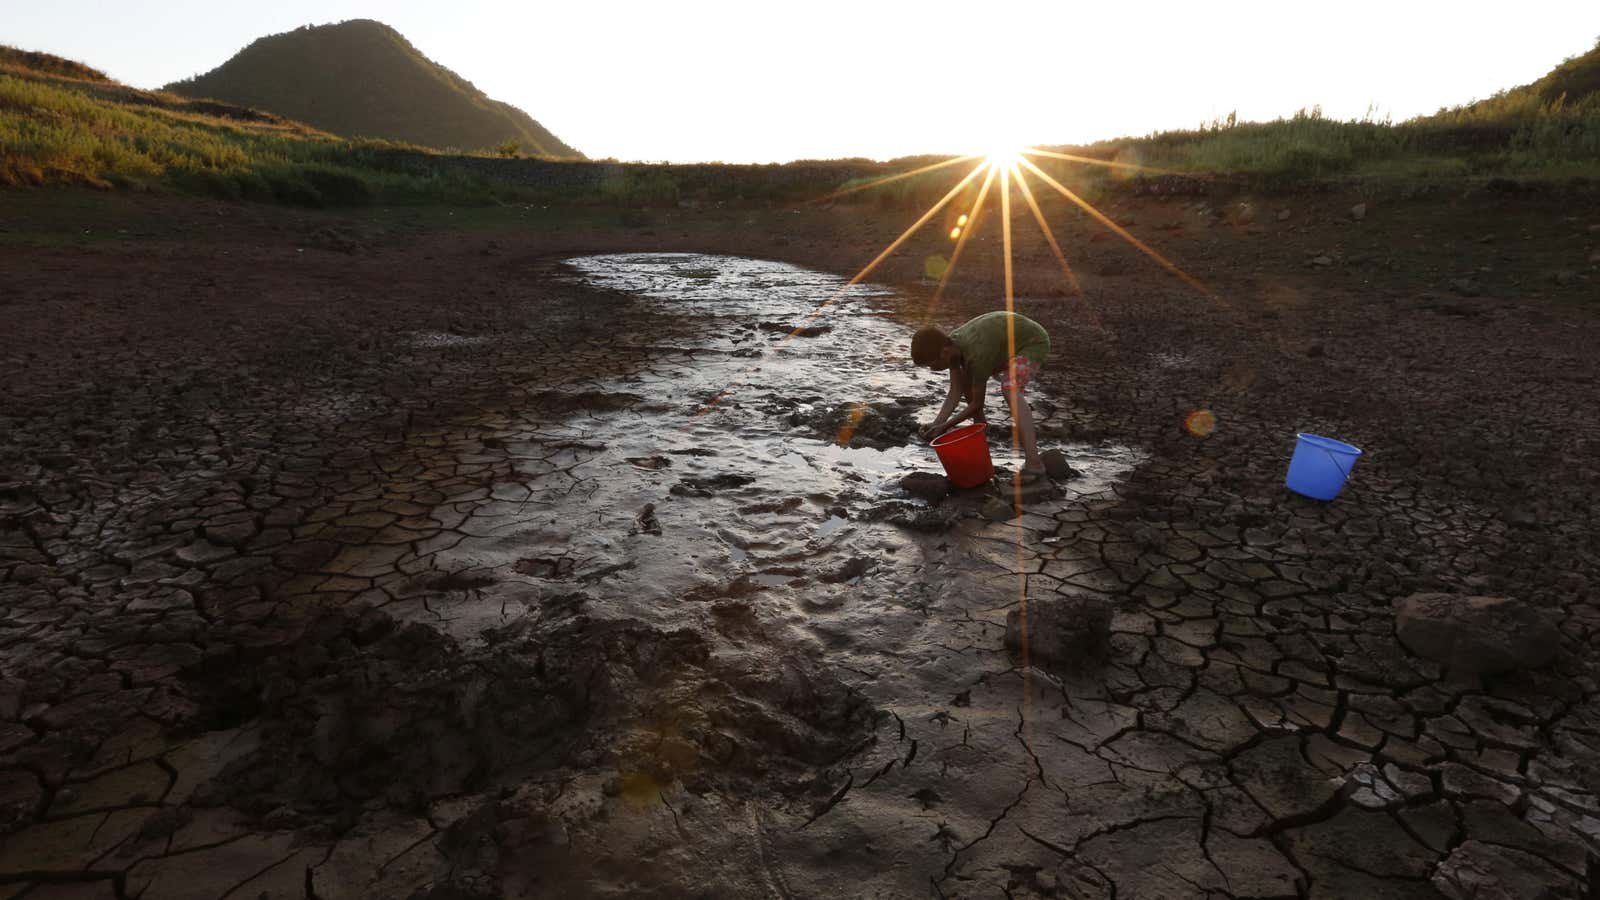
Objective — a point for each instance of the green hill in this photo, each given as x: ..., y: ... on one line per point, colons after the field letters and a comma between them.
x: 363, y: 79
x: 1571, y: 87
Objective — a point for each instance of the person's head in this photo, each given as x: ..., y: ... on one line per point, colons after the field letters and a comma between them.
x: 931, y: 348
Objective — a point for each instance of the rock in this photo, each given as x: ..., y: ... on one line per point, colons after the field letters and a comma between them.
x: 1481, y: 871
x: 1482, y: 635
x: 1283, y: 215
x: 1062, y: 630
x: 850, y: 569
x: 1322, y: 260
x: 1466, y: 287
x: 1056, y: 465
x: 1564, y: 277
x: 1594, y: 257
x: 645, y: 522
x: 927, y: 485
x: 997, y: 510
x: 797, y: 330
x: 1358, y: 212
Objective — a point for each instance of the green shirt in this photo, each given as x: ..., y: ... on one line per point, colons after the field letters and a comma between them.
x: 985, y: 344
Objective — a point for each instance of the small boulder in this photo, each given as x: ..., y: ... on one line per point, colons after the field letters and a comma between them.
x: 1323, y: 260
x: 1476, y: 870
x: 1056, y: 465
x: 1061, y: 630
x: 1483, y: 635
x: 997, y: 510
x: 927, y: 486
x: 1466, y: 287
x: 1358, y: 212
x: 1283, y: 215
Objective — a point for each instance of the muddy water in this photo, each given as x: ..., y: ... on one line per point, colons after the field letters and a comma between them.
x: 752, y: 460
x: 756, y: 463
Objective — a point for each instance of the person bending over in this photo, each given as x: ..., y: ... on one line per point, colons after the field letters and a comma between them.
x: 1007, y: 345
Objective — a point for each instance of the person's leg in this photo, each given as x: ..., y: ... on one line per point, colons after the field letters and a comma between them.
x: 1022, y: 415
x: 1019, y: 372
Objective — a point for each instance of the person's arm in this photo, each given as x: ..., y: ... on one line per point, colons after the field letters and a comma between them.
x: 974, y: 407
x: 951, y: 398
x: 975, y: 397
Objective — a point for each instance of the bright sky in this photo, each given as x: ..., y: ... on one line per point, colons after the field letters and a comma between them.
x: 755, y: 81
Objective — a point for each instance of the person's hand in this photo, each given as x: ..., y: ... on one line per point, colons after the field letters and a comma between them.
x: 931, y: 431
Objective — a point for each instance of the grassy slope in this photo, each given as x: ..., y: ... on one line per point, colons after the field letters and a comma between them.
x: 362, y: 78
x: 1548, y: 129
x: 59, y: 129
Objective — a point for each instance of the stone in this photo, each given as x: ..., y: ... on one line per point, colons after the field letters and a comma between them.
x: 1564, y: 277
x: 1481, y: 871
x: 1056, y: 465
x: 1283, y: 215
x: 1466, y: 287
x: 1065, y: 630
x: 1482, y: 635
x: 927, y: 486
x: 1358, y: 212
x: 997, y: 510
x: 1323, y: 260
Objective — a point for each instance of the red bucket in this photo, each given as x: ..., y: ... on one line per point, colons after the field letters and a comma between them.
x: 965, y: 455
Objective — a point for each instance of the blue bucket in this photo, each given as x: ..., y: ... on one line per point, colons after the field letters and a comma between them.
x: 1320, y: 466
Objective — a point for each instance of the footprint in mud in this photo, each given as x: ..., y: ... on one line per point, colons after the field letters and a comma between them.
x: 559, y: 567
x: 705, y: 486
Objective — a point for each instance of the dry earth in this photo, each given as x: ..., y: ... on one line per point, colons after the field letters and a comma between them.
x: 243, y: 450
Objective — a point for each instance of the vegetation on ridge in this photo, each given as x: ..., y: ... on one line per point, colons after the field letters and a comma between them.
x: 63, y: 122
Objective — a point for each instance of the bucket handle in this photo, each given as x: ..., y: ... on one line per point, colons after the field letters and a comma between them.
x: 1334, y: 458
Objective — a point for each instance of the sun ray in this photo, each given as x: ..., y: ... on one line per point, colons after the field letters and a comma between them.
x: 1015, y: 397
x: 867, y: 270
x: 1118, y: 229
x: 879, y: 182
x: 1044, y: 226
x: 955, y: 255
x: 1110, y: 164
x: 915, y: 227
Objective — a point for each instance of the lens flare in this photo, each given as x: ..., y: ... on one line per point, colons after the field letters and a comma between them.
x: 1201, y: 423
x: 853, y: 419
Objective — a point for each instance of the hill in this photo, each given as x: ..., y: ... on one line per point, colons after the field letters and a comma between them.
x: 1572, y: 86
x: 1549, y: 129
x: 363, y: 79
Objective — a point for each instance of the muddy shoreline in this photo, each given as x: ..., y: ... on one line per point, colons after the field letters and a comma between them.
x: 227, y: 439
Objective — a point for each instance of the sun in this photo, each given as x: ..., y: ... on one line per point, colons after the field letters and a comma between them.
x: 1004, y: 156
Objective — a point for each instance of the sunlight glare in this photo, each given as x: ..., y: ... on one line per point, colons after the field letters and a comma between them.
x: 1003, y: 157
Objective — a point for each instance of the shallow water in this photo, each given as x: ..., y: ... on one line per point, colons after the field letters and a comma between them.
x: 705, y: 476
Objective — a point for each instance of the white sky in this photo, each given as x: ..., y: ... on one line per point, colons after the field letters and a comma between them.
x: 757, y: 81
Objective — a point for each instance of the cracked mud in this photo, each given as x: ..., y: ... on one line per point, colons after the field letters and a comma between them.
x: 622, y: 594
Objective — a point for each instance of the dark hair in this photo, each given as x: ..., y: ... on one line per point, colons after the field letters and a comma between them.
x: 926, y: 345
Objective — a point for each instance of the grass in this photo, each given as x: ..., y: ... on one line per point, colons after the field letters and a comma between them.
x: 1547, y: 129
x: 62, y: 131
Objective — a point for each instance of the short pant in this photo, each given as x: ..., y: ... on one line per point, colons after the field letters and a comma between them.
x: 1018, y: 373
